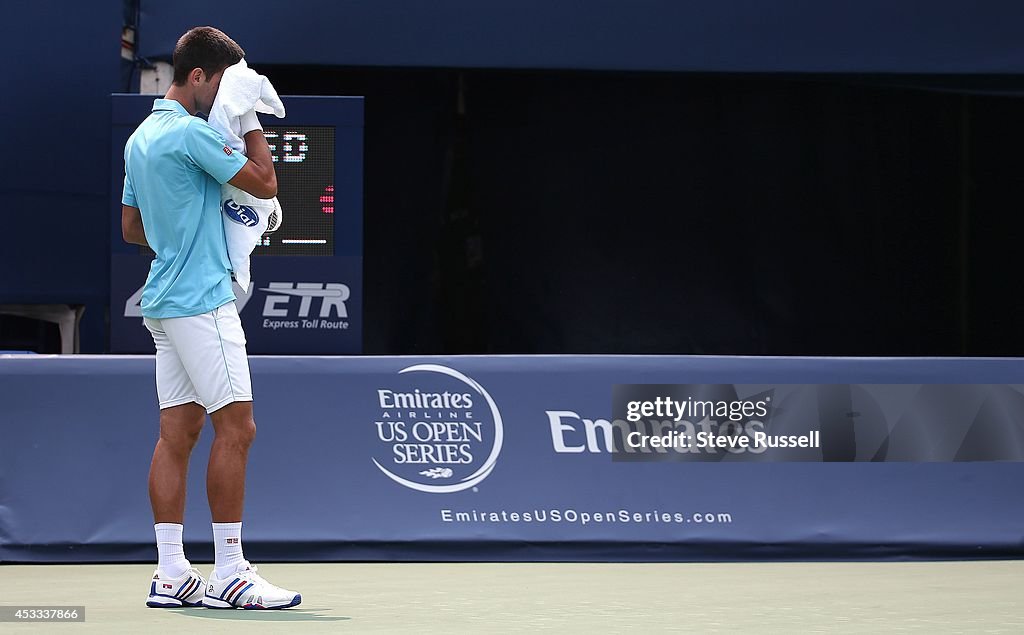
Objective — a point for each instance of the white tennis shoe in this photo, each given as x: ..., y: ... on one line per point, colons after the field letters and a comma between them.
x: 186, y: 590
x: 246, y: 589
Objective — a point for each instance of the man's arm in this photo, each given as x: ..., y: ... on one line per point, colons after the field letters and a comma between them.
x: 257, y: 176
x: 131, y: 226
x: 208, y: 149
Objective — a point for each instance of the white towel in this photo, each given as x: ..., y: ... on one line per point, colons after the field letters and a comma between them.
x: 241, y: 90
x: 245, y: 217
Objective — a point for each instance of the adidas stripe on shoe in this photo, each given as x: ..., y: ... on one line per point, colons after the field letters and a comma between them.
x: 246, y: 589
x: 187, y: 590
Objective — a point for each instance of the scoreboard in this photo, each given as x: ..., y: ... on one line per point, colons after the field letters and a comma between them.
x: 304, y: 161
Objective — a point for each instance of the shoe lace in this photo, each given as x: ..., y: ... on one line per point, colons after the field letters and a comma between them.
x: 256, y: 577
x: 254, y: 574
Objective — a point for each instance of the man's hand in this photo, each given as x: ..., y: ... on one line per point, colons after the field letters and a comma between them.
x: 131, y: 226
x: 257, y: 176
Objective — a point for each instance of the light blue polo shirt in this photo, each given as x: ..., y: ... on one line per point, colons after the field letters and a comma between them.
x: 174, y: 166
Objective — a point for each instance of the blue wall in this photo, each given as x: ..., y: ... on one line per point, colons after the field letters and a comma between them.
x: 62, y: 62
x: 848, y: 36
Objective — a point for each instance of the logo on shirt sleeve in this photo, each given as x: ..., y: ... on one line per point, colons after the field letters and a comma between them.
x: 227, y: 150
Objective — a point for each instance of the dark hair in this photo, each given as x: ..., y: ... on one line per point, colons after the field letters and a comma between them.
x: 207, y: 48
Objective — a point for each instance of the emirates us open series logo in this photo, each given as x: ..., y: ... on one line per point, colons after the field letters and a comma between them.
x: 438, y: 430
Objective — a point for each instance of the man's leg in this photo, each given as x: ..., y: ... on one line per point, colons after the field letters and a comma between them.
x: 225, y: 482
x: 180, y: 427
x: 179, y: 430
x: 175, y: 583
x: 225, y: 476
x: 234, y: 582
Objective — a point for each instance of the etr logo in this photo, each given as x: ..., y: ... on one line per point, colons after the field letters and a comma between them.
x: 333, y: 296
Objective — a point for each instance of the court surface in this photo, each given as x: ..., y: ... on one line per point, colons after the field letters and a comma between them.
x: 556, y: 597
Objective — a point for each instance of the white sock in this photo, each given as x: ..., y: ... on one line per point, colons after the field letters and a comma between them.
x: 227, y: 545
x: 172, y: 560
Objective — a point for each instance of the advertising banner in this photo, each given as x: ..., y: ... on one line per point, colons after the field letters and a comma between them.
x: 470, y: 458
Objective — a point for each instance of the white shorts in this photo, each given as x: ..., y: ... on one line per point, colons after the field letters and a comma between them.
x: 201, y: 358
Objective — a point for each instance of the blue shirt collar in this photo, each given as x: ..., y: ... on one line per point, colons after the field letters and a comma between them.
x: 169, y: 104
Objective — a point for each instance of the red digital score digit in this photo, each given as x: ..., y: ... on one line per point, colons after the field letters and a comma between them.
x: 327, y: 200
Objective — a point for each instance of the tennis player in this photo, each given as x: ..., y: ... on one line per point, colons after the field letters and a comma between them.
x: 175, y: 164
